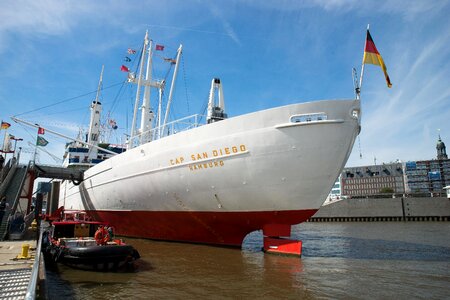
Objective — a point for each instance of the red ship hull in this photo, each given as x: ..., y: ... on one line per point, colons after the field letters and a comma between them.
x: 217, y: 228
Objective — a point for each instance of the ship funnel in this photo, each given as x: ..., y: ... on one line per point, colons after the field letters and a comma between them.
x: 216, y: 112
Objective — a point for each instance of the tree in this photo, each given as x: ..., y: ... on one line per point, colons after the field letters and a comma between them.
x: 387, y: 190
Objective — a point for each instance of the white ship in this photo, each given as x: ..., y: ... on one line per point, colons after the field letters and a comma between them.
x: 215, y: 183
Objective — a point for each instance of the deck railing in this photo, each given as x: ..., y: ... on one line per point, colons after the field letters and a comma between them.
x: 173, y: 127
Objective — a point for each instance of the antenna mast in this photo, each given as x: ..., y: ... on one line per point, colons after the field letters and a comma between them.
x: 172, y: 86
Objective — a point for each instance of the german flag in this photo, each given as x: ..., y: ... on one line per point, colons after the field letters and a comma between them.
x: 372, y: 56
x: 5, y: 125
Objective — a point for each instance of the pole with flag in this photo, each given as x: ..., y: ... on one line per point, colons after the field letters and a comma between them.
x: 5, y: 125
x: 40, y: 141
x: 372, y: 56
x: 15, y: 139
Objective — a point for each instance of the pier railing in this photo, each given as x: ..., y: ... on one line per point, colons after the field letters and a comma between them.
x: 38, y: 262
x: 395, y: 195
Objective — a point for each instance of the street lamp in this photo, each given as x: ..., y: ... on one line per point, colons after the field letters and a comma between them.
x: 15, y: 144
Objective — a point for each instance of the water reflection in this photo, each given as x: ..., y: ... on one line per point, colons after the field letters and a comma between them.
x: 339, y: 261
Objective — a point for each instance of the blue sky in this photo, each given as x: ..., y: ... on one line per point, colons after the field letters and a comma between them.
x: 267, y: 54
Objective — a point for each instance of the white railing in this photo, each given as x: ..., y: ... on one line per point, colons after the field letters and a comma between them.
x: 38, y: 262
x: 171, y: 128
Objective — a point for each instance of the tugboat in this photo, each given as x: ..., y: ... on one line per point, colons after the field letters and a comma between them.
x: 75, y: 240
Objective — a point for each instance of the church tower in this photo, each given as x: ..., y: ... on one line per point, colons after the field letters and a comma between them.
x: 440, y: 147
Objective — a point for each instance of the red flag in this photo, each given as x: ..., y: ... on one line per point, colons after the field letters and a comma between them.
x: 159, y: 48
x: 124, y: 69
x: 131, y: 51
x: 41, y: 130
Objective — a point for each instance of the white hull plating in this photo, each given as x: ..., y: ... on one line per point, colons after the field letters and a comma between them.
x: 255, y: 162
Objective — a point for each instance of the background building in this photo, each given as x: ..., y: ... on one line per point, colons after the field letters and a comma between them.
x: 429, y: 176
x: 423, y: 176
x: 373, y: 180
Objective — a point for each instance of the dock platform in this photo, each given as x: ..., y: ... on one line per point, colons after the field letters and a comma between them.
x: 15, y: 273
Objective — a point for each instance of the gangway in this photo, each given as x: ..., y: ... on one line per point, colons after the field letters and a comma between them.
x: 10, y: 191
x: 17, y: 187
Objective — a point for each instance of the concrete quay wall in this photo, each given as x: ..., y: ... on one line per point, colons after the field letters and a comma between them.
x: 424, y: 207
x: 385, y: 209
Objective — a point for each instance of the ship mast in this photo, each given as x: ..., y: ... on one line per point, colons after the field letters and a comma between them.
x: 96, y: 108
x: 172, y: 86
x: 146, y: 112
x: 138, y: 91
x: 145, y: 131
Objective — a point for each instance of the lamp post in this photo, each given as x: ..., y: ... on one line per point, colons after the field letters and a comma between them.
x: 15, y: 144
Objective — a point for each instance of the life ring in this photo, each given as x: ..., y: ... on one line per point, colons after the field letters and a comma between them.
x: 101, y: 236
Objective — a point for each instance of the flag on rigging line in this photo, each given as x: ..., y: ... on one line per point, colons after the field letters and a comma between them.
x: 131, y: 51
x: 124, y: 69
x: 127, y: 59
x: 15, y: 139
x: 113, y: 124
x: 5, y: 125
x: 41, y: 141
x: 159, y: 48
x: 41, y: 130
x: 171, y: 60
x: 372, y: 56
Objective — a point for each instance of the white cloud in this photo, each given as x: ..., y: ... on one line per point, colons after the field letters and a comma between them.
x: 412, y: 9
x: 48, y: 17
x: 30, y: 19
x: 408, y: 10
x: 217, y: 12
x: 337, y: 4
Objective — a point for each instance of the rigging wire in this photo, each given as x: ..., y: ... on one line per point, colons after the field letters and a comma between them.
x: 33, y: 137
x: 185, y: 85
x: 163, y: 96
x: 65, y: 100
x: 359, y: 146
x: 204, y: 108
x: 66, y: 111
x: 118, y: 95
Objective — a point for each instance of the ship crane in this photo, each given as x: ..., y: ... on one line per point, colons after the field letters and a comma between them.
x: 216, y: 113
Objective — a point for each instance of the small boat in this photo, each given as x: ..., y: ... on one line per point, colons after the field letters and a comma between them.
x: 75, y: 240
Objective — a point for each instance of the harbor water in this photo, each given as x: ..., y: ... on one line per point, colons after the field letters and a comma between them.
x: 374, y: 260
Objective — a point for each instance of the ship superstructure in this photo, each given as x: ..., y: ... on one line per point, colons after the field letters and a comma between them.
x: 87, y: 150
